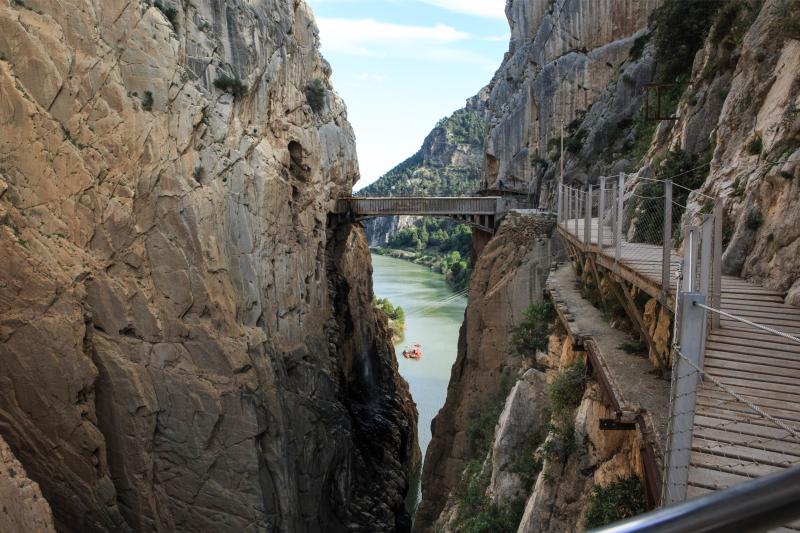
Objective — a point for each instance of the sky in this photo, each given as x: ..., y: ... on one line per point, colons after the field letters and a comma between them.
x: 401, y: 65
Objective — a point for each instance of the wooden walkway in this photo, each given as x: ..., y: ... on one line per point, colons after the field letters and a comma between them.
x: 731, y: 442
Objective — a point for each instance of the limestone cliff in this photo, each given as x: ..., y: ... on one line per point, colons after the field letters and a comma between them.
x: 734, y: 93
x: 507, y: 277
x: 187, y: 344
x: 23, y: 508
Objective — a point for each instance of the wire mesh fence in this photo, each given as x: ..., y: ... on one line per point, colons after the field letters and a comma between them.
x: 729, y: 421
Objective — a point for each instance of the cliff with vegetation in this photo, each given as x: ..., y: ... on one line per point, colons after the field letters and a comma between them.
x: 187, y: 344
x: 732, y: 97
x: 449, y: 163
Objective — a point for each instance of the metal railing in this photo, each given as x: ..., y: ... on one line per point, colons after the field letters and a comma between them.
x: 759, y: 505
x: 640, y: 222
x: 407, y: 205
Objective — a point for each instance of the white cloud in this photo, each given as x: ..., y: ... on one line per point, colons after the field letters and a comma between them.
x: 370, y: 37
x: 366, y: 76
x: 479, y: 8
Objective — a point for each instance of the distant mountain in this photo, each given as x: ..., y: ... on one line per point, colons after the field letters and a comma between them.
x: 449, y: 163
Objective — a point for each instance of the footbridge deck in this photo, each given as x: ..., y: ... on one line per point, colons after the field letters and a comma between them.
x: 735, y: 407
x: 481, y: 212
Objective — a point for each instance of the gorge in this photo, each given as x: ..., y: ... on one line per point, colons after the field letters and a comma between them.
x: 188, y: 335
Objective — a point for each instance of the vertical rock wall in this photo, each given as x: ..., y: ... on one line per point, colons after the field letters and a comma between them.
x: 508, y: 276
x: 186, y: 344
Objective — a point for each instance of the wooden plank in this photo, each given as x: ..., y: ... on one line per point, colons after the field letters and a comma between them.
x: 742, y: 388
x: 714, y: 479
x: 745, y: 453
x: 746, y: 428
x: 695, y: 492
x: 732, y: 465
x: 750, y: 365
x: 744, y: 414
x: 766, y: 404
x: 717, y: 372
x: 766, y: 444
x: 755, y: 340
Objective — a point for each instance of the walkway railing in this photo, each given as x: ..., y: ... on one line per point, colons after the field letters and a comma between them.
x: 645, y: 225
x: 442, y: 206
x: 735, y: 355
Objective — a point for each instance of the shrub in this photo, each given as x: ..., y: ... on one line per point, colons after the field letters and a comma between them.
x: 566, y: 390
x: 538, y: 161
x: 170, y: 12
x: 476, y: 513
x: 147, y: 101
x: 679, y: 29
x: 621, y: 499
x: 638, y: 46
x: 566, y: 393
x: 756, y: 145
x: 528, y: 464
x: 315, y: 95
x: 753, y: 221
x: 531, y: 334
x: 636, y: 347
x: 480, y: 428
x: 232, y: 85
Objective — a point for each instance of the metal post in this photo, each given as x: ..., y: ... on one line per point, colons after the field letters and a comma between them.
x: 613, y: 224
x: 716, y: 264
x: 690, y: 247
x: 587, y: 220
x: 601, y: 208
x: 705, y: 254
x: 666, y: 252
x: 560, y: 199
x: 620, y: 216
x: 684, y: 396
x: 577, y: 210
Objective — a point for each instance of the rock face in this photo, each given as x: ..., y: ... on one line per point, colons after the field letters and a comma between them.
x: 23, y: 508
x: 449, y: 163
x: 508, y: 276
x: 187, y: 344
x: 562, y: 56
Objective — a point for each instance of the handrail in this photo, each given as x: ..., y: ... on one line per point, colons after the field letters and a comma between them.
x: 759, y: 505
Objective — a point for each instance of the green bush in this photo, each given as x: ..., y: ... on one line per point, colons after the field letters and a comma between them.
x: 476, y: 513
x: 315, y: 95
x: 232, y: 85
x: 679, y: 29
x: 170, y: 12
x: 621, y: 499
x: 527, y: 464
x: 638, y: 46
x: 756, y: 145
x: 480, y: 427
x: 147, y: 101
x: 532, y: 333
x: 566, y: 390
x: 630, y: 347
x: 754, y: 221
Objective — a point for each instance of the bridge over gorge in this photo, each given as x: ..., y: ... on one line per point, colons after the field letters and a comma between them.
x: 735, y: 355
x: 480, y: 212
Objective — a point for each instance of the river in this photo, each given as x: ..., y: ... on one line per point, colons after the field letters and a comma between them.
x: 420, y: 292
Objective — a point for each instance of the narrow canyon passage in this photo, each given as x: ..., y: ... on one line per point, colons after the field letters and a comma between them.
x: 433, y: 316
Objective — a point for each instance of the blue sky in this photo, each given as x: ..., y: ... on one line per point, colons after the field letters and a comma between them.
x: 401, y: 65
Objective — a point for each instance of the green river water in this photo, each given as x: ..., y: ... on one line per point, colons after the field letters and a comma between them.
x: 420, y: 293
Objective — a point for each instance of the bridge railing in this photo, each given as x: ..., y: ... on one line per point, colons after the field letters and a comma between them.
x: 398, y: 205
x: 643, y: 224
